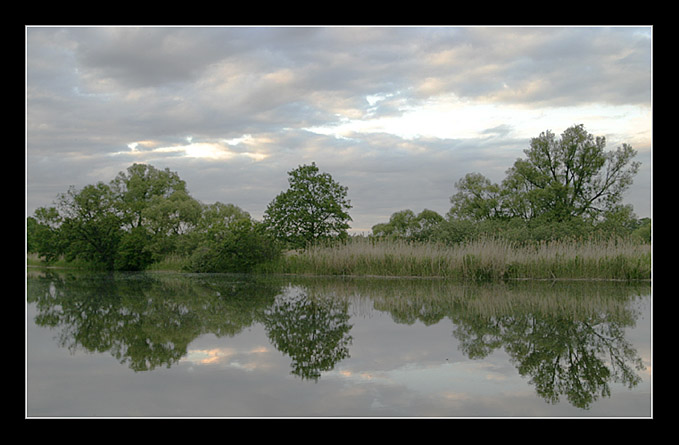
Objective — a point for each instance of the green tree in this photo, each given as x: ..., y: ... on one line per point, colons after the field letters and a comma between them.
x: 560, y: 179
x: 573, y: 176
x: 405, y: 224
x: 401, y: 224
x: 216, y: 219
x: 314, y: 207
x: 227, y: 239
x: 90, y: 227
x: 478, y: 199
x: 126, y: 224
x: 42, y: 233
x: 140, y: 187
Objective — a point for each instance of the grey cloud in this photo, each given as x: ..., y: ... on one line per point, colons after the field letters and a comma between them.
x: 92, y: 91
x: 146, y: 57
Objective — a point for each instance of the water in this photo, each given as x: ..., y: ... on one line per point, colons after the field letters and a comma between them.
x: 181, y: 345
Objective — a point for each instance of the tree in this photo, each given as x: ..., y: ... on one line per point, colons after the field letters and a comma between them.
x: 228, y: 240
x: 126, y: 224
x: 157, y: 201
x: 560, y: 179
x: 478, y: 199
x: 314, y: 207
x: 573, y: 176
x: 140, y: 187
x: 90, y: 227
x: 401, y: 225
x: 406, y: 225
x: 42, y: 233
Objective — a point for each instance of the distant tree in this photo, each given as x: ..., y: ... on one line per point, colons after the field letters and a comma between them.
x: 42, y: 233
x: 314, y: 207
x: 216, y: 219
x: 228, y: 240
x: 477, y: 199
x: 426, y: 225
x: 401, y: 225
x: 405, y: 224
x: 643, y: 231
x: 560, y: 179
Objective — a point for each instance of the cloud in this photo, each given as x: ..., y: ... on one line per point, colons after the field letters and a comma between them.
x: 217, y: 150
x: 398, y: 114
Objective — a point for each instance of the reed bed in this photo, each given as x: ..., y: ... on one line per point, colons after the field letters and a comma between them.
x: 481, y: 260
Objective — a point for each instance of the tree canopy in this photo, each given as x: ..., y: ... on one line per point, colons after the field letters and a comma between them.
x: 314, y: 207
x: 564, y: 187
x: 560, y: 179
x: 140, y: 217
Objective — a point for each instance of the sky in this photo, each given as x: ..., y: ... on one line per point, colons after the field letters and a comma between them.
x: 396, y: 114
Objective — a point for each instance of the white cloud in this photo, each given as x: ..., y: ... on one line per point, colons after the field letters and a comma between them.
x: 203, y: 150
x: 449, y: 117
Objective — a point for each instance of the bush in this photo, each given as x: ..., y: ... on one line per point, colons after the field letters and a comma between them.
x: 241, y: 248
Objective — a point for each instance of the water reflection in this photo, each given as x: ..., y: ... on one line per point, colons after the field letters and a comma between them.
x: 314, y: 332
x: 567, y: 339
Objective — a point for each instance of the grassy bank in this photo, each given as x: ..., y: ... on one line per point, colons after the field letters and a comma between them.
x: 483, y: 260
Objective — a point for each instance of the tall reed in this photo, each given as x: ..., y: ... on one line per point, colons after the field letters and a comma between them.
x: 480, y: 260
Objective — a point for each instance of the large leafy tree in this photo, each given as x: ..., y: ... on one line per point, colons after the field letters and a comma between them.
x: 124, y: 224
x: 314, y: 207
x: 155, y: 206
x: 154, y: 198
x: 559, y: 180
x: 90, y: 227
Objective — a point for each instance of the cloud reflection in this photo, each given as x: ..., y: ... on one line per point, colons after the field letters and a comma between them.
x: 248, y: 360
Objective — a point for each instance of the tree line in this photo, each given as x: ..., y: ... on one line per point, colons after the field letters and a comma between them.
x: 564, y: 187
x: 145, y: 214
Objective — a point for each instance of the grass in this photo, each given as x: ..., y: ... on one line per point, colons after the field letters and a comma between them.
x: 482, y: 260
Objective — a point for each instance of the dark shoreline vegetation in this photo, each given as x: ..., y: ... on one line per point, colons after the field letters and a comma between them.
x: 478, y: 261
x: 557, y: 215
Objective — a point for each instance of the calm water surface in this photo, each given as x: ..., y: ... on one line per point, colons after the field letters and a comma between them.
x: 163, y: 344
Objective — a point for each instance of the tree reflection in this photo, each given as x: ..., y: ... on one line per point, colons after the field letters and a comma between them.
x: 573, y: 355
x: 147, y: 321
x: 568, y: 339
x: 142, y: 320
x: 314, y: 332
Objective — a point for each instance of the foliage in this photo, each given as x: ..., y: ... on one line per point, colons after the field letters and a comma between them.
x: 133, y: 252
x: 143, y: 187
x: 560, y: 179
x: 239, y: 247
x: 315, y: 207
x: 405, y: 224
x: 564, y: 189
x: 141, y: 217
x: 158, y: 201
x: 90, y: 228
